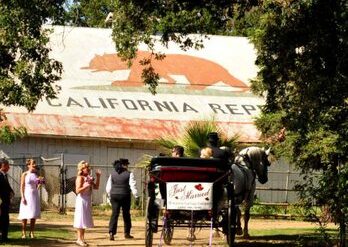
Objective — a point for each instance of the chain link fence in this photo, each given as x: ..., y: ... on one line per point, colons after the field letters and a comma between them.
x: 50, y: 193
x: 58, y: 192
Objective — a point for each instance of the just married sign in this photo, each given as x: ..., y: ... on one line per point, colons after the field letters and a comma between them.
x: 190, y: 196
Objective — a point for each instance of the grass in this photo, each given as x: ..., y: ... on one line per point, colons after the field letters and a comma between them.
x: 310, y: 236
x: 45, y: 235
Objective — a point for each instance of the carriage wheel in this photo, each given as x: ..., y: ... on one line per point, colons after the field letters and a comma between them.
x: 231, y: 225
x: 168, y: 231
x: 148, y: 227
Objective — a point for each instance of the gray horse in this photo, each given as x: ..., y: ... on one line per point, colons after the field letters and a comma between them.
x: 250, y: 163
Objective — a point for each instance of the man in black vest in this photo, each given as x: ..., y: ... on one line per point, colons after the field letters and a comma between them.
x: 119, y: 186
x: 6, y: 194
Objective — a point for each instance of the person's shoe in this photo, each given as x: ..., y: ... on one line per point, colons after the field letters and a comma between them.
x: 216, y: 234
x: 32, y: 235
x: 191, y: 238
x: 80, y: 243
x: 111, y: 237
x: 128, y: 236
x: 4, y: 240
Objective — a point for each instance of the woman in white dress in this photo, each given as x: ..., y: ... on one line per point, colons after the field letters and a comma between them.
x: 83, y: 205
x: 29, y: 208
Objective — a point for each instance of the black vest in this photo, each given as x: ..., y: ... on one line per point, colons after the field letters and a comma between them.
x: 120, y: 183
x: 5, y: 189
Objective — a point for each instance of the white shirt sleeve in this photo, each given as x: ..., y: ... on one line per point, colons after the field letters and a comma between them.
x: 108, y: 186
x: 133, y: 185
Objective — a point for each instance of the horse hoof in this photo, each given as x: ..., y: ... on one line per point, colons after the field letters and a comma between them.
x: 191, y: 238
x: 239, y: 231
x: 246, y: 236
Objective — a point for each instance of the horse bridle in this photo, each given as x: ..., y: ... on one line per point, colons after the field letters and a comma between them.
x: 247, y: 159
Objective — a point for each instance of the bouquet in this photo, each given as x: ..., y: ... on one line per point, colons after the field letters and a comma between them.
x: 90, y: 179
x: 40, y: 180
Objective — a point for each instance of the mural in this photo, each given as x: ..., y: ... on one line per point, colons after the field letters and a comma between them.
x: 200, y: 73
x: 101, y: 97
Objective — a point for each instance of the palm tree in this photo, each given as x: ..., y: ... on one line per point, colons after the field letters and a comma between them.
x: 194, y: 138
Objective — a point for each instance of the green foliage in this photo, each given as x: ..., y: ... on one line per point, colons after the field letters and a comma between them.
x: 246, y: 19
x: 27, y: 73
x: 87, y: 13
x: 8, y: 135
x: 266, y: 210
x: 144, y: 161
x: 302, y: 56
x: 194, y: 138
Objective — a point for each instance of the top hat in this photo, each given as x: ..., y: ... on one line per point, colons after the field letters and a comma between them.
x: 124, y: 161
x: 213, y: 136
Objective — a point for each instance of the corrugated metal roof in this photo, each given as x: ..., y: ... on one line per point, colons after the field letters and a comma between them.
x: 115, y: 128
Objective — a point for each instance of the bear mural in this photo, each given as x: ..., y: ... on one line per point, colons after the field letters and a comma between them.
x: 200, y: 73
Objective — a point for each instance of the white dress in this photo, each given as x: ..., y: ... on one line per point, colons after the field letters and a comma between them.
x: 83, y: 209
x: 32, y: 209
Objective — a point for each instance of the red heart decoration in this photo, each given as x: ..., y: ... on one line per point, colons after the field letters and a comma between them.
x: 199, y: 187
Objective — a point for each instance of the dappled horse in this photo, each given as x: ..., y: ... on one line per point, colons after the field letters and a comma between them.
x: 249, y: 164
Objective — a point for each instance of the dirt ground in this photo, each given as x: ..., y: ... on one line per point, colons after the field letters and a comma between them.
x: 98, y: 236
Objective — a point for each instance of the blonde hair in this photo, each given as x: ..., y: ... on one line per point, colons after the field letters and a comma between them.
x: 206, y: 153
x: 80, y: 166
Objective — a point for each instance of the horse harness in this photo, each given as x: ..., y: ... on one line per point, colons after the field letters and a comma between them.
x: 243, y: 167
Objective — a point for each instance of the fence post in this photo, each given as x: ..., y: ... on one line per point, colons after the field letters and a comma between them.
x: 287, y: 188
x: 62, y: 200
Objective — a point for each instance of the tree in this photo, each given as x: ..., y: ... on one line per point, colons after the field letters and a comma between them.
x: 302, y: 57
x: 27, y: 73
x: 87, y: 13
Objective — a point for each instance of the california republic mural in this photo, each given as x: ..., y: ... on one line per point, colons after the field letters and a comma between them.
x: 101, y: 97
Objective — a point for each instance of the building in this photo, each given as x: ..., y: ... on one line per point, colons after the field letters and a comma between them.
x: 104, y: 112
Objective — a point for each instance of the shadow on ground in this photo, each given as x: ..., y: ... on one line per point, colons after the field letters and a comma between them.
x: 303, y: 240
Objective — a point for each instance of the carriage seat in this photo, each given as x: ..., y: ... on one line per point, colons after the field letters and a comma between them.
x: 183, y: 169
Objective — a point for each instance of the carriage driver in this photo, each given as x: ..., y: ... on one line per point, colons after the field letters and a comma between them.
x: 218, y: 153
x: 213, y: 142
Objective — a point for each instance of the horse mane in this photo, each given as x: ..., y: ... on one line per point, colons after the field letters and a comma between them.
x: 254, y: 155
